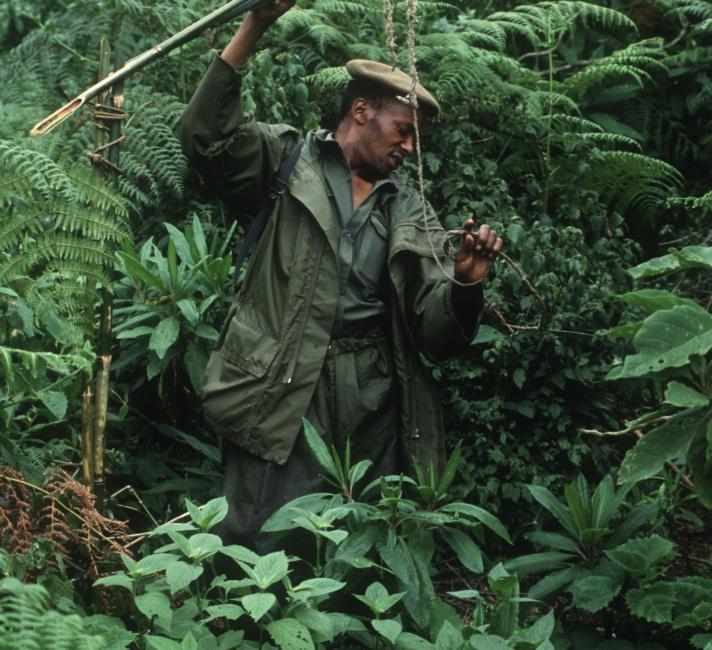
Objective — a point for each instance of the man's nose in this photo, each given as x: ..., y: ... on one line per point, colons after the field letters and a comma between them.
x: 408, y: 144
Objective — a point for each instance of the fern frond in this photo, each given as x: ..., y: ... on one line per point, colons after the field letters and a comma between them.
x: 64, y: 247
x: 632, y: 181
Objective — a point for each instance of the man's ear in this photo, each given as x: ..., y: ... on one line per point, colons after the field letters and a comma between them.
x: 361, y: 111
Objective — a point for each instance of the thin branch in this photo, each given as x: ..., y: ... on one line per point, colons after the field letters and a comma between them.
x: 632, y: 429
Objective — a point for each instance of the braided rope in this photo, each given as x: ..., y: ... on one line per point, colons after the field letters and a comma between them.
x: 450, y: 235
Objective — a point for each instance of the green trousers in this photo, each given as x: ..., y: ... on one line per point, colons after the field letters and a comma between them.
x: 354, y: 400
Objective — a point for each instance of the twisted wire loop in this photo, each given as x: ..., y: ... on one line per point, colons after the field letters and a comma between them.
x: 451, y: 236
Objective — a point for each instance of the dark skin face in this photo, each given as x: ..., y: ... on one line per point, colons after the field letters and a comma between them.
x: 379, y: 139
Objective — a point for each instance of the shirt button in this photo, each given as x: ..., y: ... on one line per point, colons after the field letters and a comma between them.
x: 348, y: 234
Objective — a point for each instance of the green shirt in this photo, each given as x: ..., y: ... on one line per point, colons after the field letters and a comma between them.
x: 363, y: 245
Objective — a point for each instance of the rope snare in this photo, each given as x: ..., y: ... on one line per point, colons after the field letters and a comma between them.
x: 451, y: 236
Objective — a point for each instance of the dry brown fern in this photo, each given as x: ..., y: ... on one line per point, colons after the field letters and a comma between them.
x: 16, y: 508
x: 62, y: 511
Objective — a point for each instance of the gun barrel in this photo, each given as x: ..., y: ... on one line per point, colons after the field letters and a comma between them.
x: 222, y: 15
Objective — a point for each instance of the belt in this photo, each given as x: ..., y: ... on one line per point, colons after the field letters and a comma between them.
x: 356, y: 342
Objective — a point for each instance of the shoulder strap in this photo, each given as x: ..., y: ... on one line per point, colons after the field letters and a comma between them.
x: 277, y: 188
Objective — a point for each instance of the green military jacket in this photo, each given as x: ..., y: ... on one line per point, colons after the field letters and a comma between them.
x: 260, y: 380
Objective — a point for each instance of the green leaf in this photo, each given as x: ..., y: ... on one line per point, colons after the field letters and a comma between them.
x: 161, y: 643
x: 320, y: 450
x: 356, y: 473
x: 290, y: 634
x: 319, y: 586
x: 319, y: 622
x: 652, y: 300
x: 164, y: 336
x: 667, y: 339
x: 450, y: 470
x: 656, y: 266
x: 153, y: 563
x: 604, y: 505
x: 224, y: 610
x: 553, y: 540
x: 206, y: 516
x: 270, y: 569
x: 537, y: 562
x: 639, y: 556
x: 702, y: 641
x: 139, y: 272
x: 155, y: 605
x: 189, y: 311
x: 695, y: 256
x: 180, y: 574
x: 449, y: 638
x: 465, y: 549
x: 670, y: 440
x: 489, y: 642
x: 389, y: 628
x: 593, y: 593
x: 134, y: 333
x: 480, y: 515
x: 544, y: 496
x: 172, y: 266
x: 55, y: 402
x: 177, y: 238
x: 653, y: 603
x: 240, y: 553
x: 679, y: 394
x: 257, y: 605
x: 115, y: 580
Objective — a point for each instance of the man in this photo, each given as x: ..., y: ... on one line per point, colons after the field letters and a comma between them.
x: 341, y: 294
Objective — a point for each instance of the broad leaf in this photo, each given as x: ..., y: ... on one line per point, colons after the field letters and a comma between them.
x: 653, y: 603
x: 270, y: 569
x: 480, y: 515
x: 679, y: 394
x: 670, y: 440
x: 652, y: 300
x: 667, y: 339
x: 290, y: 634
x: 155, y: 605
x: 164, y: 336
x: 388, y: 628
x: 180, y: 574
x: 639, y: 556
x: 257, y: 605
x: 593, y: 593
x: 320, y: 450
x: 465, y: 549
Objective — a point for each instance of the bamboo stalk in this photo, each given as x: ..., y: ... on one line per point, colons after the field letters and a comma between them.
x: 87, y: 437
x: 218, y: 17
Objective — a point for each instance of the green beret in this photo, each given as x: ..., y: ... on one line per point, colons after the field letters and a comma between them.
x: 391, y: 78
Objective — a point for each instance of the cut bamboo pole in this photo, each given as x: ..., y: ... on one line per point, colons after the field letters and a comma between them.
x: 218, y: 17
x: 87, y: 437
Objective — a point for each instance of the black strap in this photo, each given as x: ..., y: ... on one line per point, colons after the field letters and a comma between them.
x: 277, y: 188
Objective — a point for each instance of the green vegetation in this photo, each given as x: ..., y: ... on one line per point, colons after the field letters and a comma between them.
x: 575, y: 509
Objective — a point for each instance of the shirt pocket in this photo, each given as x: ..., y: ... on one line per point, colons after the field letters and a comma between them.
x: 372, y: 251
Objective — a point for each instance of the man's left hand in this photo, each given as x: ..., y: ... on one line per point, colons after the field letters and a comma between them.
x: 477, y: 253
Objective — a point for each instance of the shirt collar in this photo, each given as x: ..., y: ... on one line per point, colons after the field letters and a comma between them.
x: 326, y: 142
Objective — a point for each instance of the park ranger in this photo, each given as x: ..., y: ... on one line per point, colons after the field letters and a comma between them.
x: 342, y: 292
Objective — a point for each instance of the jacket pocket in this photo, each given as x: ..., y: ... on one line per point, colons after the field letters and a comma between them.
x: 249, y: 348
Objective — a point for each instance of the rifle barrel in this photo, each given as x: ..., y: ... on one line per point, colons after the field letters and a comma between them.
x: 222, y: 15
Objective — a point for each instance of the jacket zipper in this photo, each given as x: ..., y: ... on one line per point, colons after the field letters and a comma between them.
x: 291, y: 366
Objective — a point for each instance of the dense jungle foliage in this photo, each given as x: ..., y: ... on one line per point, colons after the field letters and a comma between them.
x: 575, y: 509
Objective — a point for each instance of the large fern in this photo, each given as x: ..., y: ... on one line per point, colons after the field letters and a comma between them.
x: 28, y: 622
